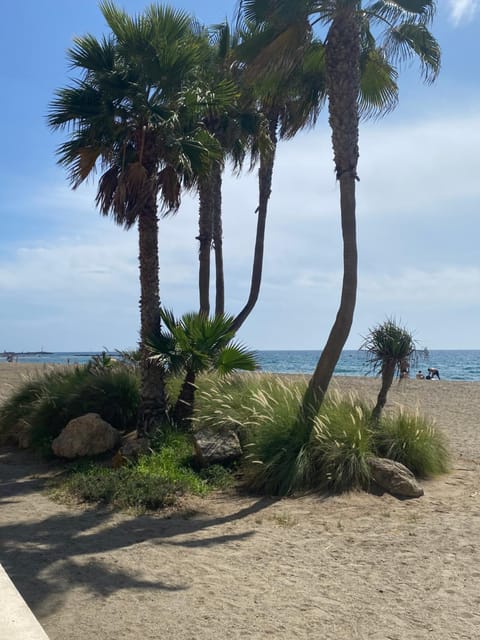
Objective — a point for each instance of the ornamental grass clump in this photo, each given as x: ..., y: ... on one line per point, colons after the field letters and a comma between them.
x: 412, y: 440
x: 46, y: 404
x: 341, y: 443
x: 225, y: 401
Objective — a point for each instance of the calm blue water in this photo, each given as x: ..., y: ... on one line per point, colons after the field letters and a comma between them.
x: 453, y: 365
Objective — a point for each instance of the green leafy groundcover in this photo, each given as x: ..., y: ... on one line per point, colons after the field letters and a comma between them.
x: 156, y: 480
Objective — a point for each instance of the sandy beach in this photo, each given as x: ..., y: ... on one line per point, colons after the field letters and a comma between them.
x: 356, y: 566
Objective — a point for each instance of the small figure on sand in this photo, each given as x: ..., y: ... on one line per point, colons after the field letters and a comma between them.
x: 433, y: 373
x: 420, y: 376
x: 404, y: 369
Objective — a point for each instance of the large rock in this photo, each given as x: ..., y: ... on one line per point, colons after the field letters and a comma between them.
x: 216, y: 447
x: 88, y: 435
x: 394, y: 477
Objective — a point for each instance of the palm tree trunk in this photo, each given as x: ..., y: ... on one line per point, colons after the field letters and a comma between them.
x: 343, y: 82
x: 183, y: 411
x: 153, y: 406
x: 388, y: 373
x: 218, y: 239
x: 265, y: 176
x: 205, y: 242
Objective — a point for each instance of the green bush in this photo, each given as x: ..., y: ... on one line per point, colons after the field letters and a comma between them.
x: 154, y: 481
x: 125, y: 488
x: 48, y: 403
x: 413, y: 441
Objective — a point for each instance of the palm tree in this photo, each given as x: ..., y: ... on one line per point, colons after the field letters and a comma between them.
x: 238, y: 127
x: 289, y: 104
x: 127, y: 115
x: 348, y: 22
x: 389, y: 348
x: 194, y: 344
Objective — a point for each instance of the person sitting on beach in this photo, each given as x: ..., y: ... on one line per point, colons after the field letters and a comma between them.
x: 432, y: 374
x: 420, y: 376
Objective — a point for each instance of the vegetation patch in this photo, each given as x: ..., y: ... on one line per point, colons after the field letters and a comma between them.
x: 153, y: 482
x: 285, y: 455
x: 45, y: 405
x: 412, y: 440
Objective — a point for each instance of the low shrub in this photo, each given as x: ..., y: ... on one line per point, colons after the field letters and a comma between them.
x: 125, y: 488
x: 48, y: 403
x: 154, y: 481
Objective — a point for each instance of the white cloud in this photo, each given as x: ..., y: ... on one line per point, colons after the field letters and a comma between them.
x: 440, y: 287
x: 418, y: 187
x: 462, y: 10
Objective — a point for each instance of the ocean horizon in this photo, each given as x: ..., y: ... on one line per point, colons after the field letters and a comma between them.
x: 453, y: 364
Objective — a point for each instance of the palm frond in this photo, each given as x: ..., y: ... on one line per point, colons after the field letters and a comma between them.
x: 235, y: 356
x: 408, y: 41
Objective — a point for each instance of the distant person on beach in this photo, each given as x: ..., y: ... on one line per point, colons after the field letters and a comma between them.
x: 432, y: 374
x: 404, y: 369
x: 420, y: 376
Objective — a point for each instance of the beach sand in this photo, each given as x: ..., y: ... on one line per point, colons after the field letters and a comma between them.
x: 355, y: 566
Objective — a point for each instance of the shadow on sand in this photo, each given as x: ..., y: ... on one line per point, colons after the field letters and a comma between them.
x: 64, y: 548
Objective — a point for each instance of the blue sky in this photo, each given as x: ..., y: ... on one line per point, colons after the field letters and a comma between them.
x: 68, y: 278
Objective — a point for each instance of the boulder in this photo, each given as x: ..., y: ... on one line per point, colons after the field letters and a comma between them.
x: 130, y: 449
x: 88, y: 435
x: 216, y: 447
x: 394, y: 477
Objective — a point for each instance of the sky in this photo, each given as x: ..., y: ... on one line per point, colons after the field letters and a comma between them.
x: 69, y: 278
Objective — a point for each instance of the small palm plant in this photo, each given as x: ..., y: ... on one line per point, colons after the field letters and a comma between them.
x: 193, y: 344
x: 389, y: 347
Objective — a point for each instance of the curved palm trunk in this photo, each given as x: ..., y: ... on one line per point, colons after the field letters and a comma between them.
x: 218, y: 239
x: 265, y: 175
x: 388, y: 373
x: 153, y: 406
x: 343, y: 82
x: 205, y: 242
x: 183, y: 411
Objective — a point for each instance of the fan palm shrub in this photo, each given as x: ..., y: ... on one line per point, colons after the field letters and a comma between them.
x: 194, y: 344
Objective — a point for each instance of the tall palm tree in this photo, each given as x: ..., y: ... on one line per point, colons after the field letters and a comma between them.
x: 237, y: 125
x: 127, y: 115
x: 389, y: 348
x: 194, y: 344
x: 289, y: 104
x: 404, y: 33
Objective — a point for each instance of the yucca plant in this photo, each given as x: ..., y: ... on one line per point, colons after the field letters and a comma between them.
x: 389, y: 348
x: 195, y: 344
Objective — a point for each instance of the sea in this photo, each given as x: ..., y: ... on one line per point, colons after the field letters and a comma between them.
x: 452, y: 364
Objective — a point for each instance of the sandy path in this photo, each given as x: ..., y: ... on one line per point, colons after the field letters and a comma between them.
x: 348, y: 567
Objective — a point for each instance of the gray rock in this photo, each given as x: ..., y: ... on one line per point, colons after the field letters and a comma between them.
x: 215, y: 447
x: 394, y: 477
x: 132, y: 447
x: 88, y: 435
